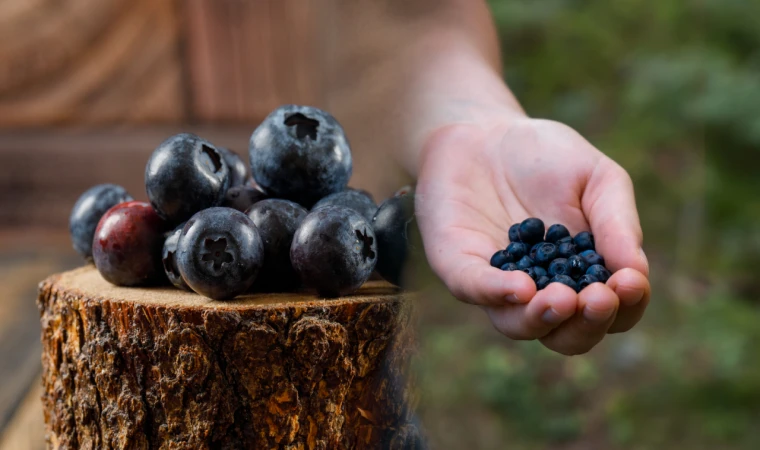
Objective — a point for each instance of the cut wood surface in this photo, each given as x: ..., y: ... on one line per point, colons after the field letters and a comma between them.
x: 159, y: 368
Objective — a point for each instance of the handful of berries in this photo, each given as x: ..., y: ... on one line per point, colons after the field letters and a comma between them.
x: 555, y: 257
x: 213, y: 229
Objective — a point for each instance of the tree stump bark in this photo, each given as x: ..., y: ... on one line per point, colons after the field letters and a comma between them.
x: 164, y: 369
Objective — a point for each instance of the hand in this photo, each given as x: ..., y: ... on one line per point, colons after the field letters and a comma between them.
x: 477, y: 180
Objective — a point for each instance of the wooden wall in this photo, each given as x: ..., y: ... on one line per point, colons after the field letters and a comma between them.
x: 104, y: 62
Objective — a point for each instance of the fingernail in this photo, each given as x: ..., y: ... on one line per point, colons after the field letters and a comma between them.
x: 551, y: 317
x: 512, y: 298
x: 593, y: 315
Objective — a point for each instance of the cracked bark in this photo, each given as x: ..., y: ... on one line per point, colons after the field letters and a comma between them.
x: 164, y: 369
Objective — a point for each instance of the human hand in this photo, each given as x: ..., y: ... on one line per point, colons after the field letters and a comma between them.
x: 477, y: 180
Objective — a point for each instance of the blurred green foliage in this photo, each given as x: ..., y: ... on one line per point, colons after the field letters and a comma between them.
x: 671, y: 90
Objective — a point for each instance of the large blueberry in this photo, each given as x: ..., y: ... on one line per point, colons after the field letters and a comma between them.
x: 357, y: 200
x: 546, y: 254
x: 509, y: 267
x: 542, y: 282
x: 277, y: 221
x: 238, y: 168
x: 591, y: 257
x: 184, y: 175
x: 577, y: 265
x: 300, y: 153
x: 169, y: 260
x: 565, y: 249
x: 559, y: 266
x: 516, y: 250
x: 395, y: 226
x: 242, y: 197
x: 334, y: 250
x: 127, y: 245
x: 525, y: 262
x: 531, y: 230
x: 600, y: 272
x: 220, y: 253
x: 586, y: 280
x: 566, y: 280
x: 556, y: 232
x: 87, y: 212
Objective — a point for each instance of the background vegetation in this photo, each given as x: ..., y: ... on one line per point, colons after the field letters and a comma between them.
x: 671, y: 90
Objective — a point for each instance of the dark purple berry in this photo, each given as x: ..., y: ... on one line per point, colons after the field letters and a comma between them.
x: 277, y: 221
x: 242, y: 197
x: 334, y: 250
x: 509, y: 267
x: 219, y: 253
x: 584, y: 241
x: 558, y: 267
x: 300, y: 153
x: 525, y: 262
x: 238, y: 169
x: 566, y: 280
x: 395, y: 227
x: 585, y: 280
x: 542, y: 282
x: 516, y: 250
x: 566, y: 249
x: 556, y: 232
x: 563, y: 240
x: 127, y: 245
x: 87, y: 212
x: 600, y: 272
x: 591, y: 257
x: 545, y: 254
x: 577, y: 265
x: 531, y: 230
x: 514, y: 233
x: 356, y: 200
x: 169, y: 260
x: 500, y: 258
x: 184, y: 175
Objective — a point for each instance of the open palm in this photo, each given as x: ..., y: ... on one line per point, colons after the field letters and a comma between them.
x: 477, y: 181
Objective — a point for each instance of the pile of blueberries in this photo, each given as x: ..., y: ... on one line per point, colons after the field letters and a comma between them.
x: 212, y: 228
x: 554, y: 257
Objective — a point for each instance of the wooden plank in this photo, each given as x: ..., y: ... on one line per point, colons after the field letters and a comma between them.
x: 246, y: 58
x: 89, y: 62
x: 26, y: 430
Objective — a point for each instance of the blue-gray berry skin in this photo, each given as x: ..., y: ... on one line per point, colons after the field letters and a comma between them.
x: 591, y: 257
x: 566, y: 280
x: 238, y: 168
x: 220, y: 253
x: 565, y: 249
x: 500, y: 258
x: 559, y: 266
x: 542, y: 282
x: 277, y: 221
x: 584, y: 241
x: 350, y: 198
x: 600, y: 272
x: 525, y: 262
x: 242, y: 197
x: 545, y: 254
x: 88, y: 210
x: 514, y: 233
x: 184, y: 175
x: 395, y: 226
x: 540, y: 271
x: 531, y: 230
x: 169, y: 260
x: 516, y: 250
x: 586, y: 280
x: 300, y: 153
x: 577, y: 266
x: 509, y: 267
x: 556, y: 232
x: 334, y: 251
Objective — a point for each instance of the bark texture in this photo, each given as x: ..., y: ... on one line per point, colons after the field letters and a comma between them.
x: 159, y: 368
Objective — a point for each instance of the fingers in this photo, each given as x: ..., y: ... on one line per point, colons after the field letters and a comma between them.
x: 611, y: 208
x: 597, y: 308
x: 634, y: 291
x: 547, y: 310
x: 474, y: 281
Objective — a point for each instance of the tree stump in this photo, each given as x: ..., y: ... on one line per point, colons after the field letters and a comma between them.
x: 132, y: 368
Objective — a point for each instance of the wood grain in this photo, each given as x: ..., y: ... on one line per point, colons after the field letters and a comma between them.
x: 89, y: 62
x: 142, y: 368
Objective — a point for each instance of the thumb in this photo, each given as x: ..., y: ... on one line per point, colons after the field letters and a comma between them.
x: 610, y: 206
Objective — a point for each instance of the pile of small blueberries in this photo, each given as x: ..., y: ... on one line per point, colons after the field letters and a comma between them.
x: 212, y: 228
x: 555, y: 257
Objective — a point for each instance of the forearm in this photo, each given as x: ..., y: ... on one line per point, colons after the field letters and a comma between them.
x: 395, y: 77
